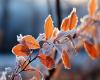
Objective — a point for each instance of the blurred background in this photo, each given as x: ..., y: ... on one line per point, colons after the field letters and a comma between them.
x: 27, y: 17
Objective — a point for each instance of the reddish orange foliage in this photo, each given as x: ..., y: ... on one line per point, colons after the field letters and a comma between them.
x: 30, y: 42
x: 20, y: 50
x: 47, y: 61
x: 65, y: 59
x: 48, y: 27
x: 65, y: 24
x: 91, y: 50
x: 73, y: 19
x: 27, y: 43
x: 70, y: 22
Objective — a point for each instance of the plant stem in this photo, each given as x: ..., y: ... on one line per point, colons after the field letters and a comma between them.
x: 28, y: 63
x: 30, y: 60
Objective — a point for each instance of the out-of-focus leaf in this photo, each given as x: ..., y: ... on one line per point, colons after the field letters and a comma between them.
x: 92, y: 7
x: 91, y: 50
x: 42, y: 69
x: 48, y: 27
x: 65, y: 59
x: 33, y: 74
x: 20, y: 50
x: 17, y: 77
x: 37, y: 75
x: 97, y: 16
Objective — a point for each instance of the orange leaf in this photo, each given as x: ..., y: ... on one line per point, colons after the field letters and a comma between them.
x: 65, y: 24
x: 48, y: 27
x: 73, y: 19
x: 46, y: 61
x: 65, y: 60
x: 92, y: 7
x: 91, y: 50
x: 30, y: 42
x: 20, y: 50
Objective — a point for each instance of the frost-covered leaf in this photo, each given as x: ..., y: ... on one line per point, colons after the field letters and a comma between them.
x: 30, y: 42
x: 65, y: 59
x: 55, y: 33
x: 48, y: 27
x: 73, y: 19
x: 65, y: 24
x: 20, y: 50
x: 47, y: 61
x: 70, y: 22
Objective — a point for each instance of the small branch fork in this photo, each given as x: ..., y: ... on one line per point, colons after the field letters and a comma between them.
x: 17, y: 69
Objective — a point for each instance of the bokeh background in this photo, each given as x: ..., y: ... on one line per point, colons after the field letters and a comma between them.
x: 27, y: 17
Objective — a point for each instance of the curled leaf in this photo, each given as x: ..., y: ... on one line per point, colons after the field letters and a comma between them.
x: 30, y: 42
x: 48, y: 27
x: 65, y: 60
x: 90, y: 49
x: 20, y: 50
x: 92, y: 7
x: 65, y: 24
x: 47, y: 61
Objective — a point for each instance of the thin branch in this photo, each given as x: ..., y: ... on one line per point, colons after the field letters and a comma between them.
x: 30, y: 60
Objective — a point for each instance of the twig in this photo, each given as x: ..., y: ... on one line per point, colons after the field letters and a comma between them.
x: 30, y: 60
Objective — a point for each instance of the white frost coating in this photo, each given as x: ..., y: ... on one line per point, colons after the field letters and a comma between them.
x: 19, y: 38
x: 48, y: 18
x: 41, y: 37
x: 8, y: 69
x: 19, y: 58
x: 63, y: 35
x: 74, y: 10
x: 3, y: 76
